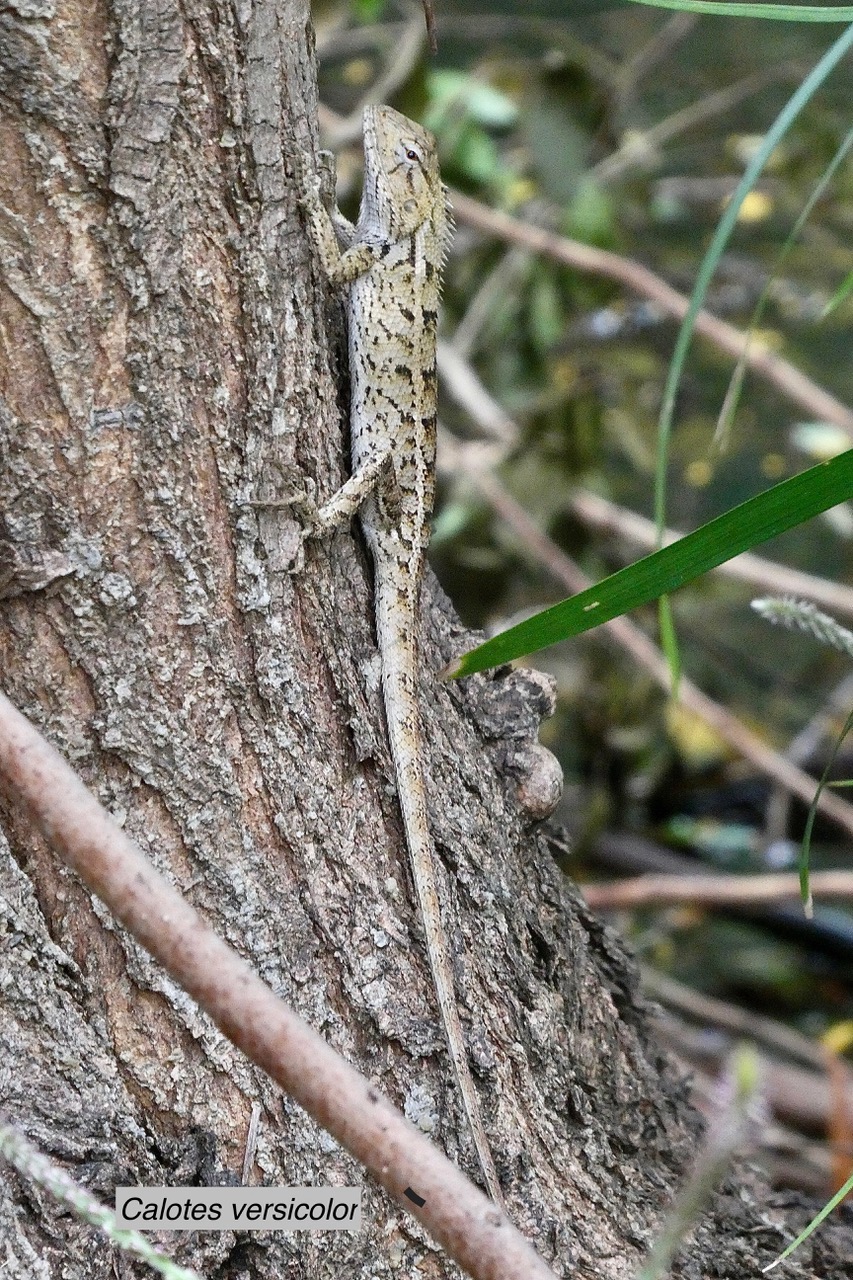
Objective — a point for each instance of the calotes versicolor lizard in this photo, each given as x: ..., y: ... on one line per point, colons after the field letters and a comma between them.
x: 392, y: 261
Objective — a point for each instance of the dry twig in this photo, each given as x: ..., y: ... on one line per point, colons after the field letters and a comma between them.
x: 798, y: 388
x: 715, y: 891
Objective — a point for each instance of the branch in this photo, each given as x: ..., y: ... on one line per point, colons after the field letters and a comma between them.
x: 710, y: 890
x: 454, y: 1211
x: 790, y: 381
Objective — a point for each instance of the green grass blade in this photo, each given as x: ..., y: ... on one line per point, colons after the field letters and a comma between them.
x: 747, y: 525
x: 775, y: 12
x: 775, y: 133
x: 732, y: 396
x: 815, y: 1222
x: 838, y: 297
x: 708, y: 266
x: 669, y: 643
x: 806, y: 846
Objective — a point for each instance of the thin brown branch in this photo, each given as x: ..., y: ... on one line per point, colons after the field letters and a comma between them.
x: 431, y: 28
x: 764, y: 574
x: 454, y: 1211
x: 403, y: 50
x: 460, y: 380
x: 711, y: 1011
x: 643, y: 61
x: 504, y: 278
x: 642, y: 148
x: 553, y: 33
x: 715, y: 891
x: 800, y: 389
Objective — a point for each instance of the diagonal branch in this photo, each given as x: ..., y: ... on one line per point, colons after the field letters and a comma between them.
x: 799, y: 388
x: 454, y: 1211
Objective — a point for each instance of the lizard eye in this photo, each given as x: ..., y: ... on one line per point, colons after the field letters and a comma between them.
x: 412, y: 155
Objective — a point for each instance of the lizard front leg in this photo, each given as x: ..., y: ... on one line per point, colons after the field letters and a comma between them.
x: 326, y: 231
x: 343, y: 259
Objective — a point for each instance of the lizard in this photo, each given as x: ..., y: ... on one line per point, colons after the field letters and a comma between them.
x: 391, y: 260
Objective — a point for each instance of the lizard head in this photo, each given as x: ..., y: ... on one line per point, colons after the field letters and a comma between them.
x: 402, y: 183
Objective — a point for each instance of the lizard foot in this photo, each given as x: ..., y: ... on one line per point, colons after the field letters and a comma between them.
x: 301, y: 502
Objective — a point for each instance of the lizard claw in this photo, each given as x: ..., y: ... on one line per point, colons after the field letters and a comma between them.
x: 326, y: 178
x: 317, y: 186
x: 301, y: 501
x: 311, y: 193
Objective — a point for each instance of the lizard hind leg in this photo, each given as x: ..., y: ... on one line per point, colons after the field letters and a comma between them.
x: 343, y: 505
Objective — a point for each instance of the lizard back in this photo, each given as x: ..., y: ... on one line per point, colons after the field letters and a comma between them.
x: 393, y: 318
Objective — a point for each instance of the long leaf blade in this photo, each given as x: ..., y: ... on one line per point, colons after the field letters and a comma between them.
x: 747, y: 525
x: 775, y: 12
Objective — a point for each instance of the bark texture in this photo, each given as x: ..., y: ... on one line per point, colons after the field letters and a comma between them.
x: 165, y: 364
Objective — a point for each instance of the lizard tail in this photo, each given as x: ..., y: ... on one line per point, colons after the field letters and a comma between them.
x: 400, y: 695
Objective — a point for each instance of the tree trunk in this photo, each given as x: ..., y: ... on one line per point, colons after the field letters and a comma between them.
x: 167, y: 366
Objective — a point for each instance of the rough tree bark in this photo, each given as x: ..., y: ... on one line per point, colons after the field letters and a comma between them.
x: 166, y: 363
